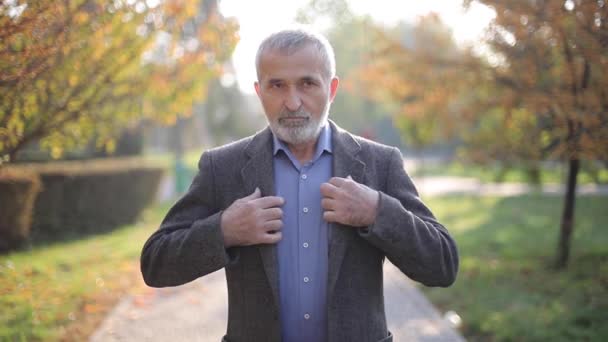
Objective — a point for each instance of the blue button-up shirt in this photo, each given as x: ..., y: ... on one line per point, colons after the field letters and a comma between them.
x: 302, y: 251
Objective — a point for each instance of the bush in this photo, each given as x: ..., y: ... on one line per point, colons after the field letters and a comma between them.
x: 18, y: 190
x: 81, y: 198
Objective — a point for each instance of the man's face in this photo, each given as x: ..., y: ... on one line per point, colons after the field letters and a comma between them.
x: 295, y: 93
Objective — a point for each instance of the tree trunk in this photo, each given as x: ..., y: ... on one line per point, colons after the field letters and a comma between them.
x: 563, y: 248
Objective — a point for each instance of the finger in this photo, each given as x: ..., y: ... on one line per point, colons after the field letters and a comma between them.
x: 273, y: 226
x: 269, y: 202
x: 272, y: 214
x: 255, y: 194
x: 337, y: 181
x: 271, y: 237
x: 328, y: 204
x: 329, y: 190
x: 330, y: 216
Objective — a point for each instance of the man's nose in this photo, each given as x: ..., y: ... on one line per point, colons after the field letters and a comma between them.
x: 293, y: 100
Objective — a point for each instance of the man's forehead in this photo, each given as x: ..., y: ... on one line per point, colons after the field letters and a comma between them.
x: 304, y: 62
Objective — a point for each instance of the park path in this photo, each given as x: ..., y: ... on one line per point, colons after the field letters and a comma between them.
x: 444, y: 185
x: 449, y: 185
x: 197, y: 312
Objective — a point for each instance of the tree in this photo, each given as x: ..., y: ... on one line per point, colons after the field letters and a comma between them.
x: 552, y: 71
x: 539, y: 92
x: 405, y: 69
x: 78, y: 69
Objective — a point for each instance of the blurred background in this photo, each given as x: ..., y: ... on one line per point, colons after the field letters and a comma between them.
x: 500, y: 109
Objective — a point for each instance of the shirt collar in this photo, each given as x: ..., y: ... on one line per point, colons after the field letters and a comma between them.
x: 323, y: 143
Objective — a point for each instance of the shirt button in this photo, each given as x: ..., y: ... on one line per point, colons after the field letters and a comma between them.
x: 306, y: 279
x: 305, y: 245
x: 306, y: 316
x: 304, y: 176
x: 305, y: 209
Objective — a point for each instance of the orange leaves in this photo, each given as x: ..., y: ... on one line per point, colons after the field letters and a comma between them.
x: 180, y: 10
x: 417, y: 69
x: 556, y: 72
x: 81, y: 18
x: 93, y: 308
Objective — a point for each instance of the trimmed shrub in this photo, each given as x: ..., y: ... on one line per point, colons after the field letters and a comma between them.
x: 18, y: 190
x: 86, y: 197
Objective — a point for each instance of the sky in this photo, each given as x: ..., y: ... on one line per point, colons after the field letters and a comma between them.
x: 261, y: 17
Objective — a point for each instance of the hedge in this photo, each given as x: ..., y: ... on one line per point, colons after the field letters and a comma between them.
x: 87, y: 197
x: 18, y: 190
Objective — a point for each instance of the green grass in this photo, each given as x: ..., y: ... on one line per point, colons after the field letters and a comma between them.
x: 506, y: 288
x: 63, y: 290
x: 588, y: 174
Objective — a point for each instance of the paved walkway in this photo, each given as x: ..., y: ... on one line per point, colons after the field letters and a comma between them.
x: 444, y: 185
x: 197, y: 312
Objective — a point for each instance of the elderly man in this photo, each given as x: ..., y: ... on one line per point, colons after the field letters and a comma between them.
x: 301, y: 215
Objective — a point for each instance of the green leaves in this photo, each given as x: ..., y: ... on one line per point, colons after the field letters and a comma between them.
x: 76, y: 70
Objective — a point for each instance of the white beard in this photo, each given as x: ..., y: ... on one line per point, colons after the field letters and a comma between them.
x: 297, y: 134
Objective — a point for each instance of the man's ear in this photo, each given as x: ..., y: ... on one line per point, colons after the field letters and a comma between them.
x: 256, y: 85
x: 333, y: 88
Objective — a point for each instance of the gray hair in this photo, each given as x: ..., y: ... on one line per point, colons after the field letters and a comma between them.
x: 291, y: 40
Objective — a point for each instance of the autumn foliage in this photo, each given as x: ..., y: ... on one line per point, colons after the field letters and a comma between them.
x: 412, y: 68
x: 535, y: 89
x: 76, y: 70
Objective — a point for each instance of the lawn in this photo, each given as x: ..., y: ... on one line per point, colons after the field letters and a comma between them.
x: 62, y: 291
x: 588, y: 174
x: 506, y: 289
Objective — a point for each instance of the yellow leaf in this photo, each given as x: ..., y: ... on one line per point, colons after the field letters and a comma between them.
x: 81, y: 17
x: 56, y: 152
x: 73, y: 80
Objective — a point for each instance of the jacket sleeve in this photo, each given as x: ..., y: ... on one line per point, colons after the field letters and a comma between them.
x: 408, y: 233
x: 189, y: 242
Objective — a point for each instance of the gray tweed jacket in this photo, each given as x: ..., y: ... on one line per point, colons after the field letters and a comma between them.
x: 189, y: 242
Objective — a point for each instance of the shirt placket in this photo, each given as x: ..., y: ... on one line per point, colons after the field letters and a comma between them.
x: 304, y: 244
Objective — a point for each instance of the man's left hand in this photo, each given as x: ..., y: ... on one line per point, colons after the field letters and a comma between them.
x: 348, y: 202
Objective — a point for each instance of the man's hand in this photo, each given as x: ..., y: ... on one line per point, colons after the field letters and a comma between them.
x: 348, y: 202
x: 252, y: 220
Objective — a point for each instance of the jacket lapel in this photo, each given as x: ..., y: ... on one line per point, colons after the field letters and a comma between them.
x: 259, y: 172
x: 345, y: 163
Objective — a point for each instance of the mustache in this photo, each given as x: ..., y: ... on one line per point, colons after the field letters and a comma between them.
x: 299, y: 112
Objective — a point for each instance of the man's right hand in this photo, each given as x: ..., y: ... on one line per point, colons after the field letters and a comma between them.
x: 252, y: 220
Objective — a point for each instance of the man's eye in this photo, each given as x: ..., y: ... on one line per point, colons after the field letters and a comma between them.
x: 276, y: 85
